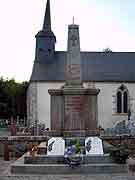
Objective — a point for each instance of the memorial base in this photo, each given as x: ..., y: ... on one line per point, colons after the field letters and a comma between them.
x: 74, y: 109
x: 39, y: 165
x: 81, y: 133
x: 73, y: 133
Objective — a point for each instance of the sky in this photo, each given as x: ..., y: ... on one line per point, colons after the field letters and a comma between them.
x: 102, y: 23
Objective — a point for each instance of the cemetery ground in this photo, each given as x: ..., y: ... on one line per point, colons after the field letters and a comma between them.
x: 6, y: 175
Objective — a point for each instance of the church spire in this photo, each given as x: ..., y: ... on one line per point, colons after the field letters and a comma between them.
x: 45, y: 39
x: 47, y: 18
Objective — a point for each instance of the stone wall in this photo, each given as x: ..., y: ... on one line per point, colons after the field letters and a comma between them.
x: 32, y: 106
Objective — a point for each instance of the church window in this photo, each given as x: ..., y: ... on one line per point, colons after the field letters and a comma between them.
x: 125, y: 102
x: 122, y: 99
x: 119, y: 100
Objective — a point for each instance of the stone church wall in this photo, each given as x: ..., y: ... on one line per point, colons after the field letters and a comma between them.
x: 107, y: 116
x: 32, y: 109
x: 44, y: 101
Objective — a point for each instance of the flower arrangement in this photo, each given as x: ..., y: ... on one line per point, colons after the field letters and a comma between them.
x: 131, y: 160
x: 72, y: 153
x: 77, y: 147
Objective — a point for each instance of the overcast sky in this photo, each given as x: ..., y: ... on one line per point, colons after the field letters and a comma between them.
x: 103, y: 23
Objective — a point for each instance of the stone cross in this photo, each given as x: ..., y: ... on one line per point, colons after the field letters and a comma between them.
x: 73, y: 66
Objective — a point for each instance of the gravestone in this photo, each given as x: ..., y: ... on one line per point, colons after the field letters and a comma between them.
x: 56, y: 146
x: 13, y: 127
x: 93, y: 146
x: 130, y: 124
x: 123, y: 127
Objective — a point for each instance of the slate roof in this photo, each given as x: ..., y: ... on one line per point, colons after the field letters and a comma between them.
x: 96, y: 66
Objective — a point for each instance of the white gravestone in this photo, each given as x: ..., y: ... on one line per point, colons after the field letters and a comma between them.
x: 93, y: 146
x: 56, y: 146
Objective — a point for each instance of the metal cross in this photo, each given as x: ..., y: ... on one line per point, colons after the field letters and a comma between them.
x: 73, y: 19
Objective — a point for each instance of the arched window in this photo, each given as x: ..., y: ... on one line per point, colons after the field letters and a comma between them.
x: 122, y: 99
x: 119, y: 101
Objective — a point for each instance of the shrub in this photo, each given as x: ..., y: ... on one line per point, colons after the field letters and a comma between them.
x: 77, y: 147
x: 119, y: 154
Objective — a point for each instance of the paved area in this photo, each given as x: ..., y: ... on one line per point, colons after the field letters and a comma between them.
x: 6, y: 175
x: 70, y: 177
x: 4, y: 165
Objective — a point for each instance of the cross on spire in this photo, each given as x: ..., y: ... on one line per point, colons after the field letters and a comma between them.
x: 73, y: 19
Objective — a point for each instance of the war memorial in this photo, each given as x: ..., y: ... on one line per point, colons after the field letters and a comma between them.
x: 73, y: 145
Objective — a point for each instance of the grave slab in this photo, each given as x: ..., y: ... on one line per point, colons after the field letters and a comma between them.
x: 56, y: 146
x: 93, y: 146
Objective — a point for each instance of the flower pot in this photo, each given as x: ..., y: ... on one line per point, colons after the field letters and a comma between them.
x: 131, y: 164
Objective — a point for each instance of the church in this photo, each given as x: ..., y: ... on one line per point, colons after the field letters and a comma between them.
x: 111, y: 72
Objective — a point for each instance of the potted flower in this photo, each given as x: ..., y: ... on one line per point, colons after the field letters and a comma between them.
x: 131, y: 161
x: 72, y: 153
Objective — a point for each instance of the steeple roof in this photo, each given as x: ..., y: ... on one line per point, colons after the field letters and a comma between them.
x: 46, y: 30
x: 47, y: 18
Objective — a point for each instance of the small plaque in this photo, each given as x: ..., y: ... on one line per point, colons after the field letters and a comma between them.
x: 56, y: 146
x: 93, y: 146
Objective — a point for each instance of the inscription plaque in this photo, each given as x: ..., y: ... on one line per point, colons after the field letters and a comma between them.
x: 56, y: 146
x: 93, y: 146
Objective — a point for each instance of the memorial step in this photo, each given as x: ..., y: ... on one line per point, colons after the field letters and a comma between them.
x: 66, y: 169
x: 43, y: 159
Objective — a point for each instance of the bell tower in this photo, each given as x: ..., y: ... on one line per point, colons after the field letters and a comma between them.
x: 45, y: 40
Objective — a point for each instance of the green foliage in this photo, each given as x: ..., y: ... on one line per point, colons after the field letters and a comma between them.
x: 12, y: 98
x: 77, y: 147
x: 119, y: 154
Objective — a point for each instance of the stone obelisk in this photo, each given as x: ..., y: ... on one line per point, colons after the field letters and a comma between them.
x: 73, y: 101
x: 73, y: 65
x: 73, y: 107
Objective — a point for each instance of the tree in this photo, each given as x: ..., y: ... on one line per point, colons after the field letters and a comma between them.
x: 12, y: 98
x: 107, y: 49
